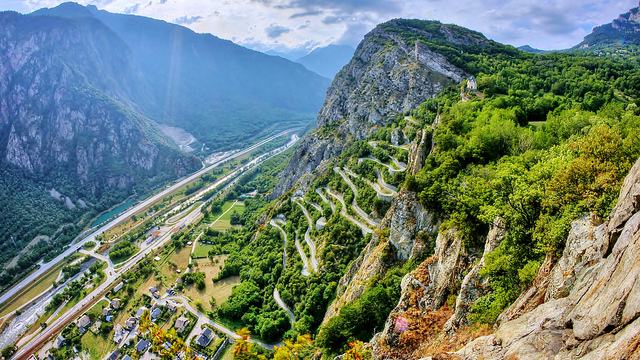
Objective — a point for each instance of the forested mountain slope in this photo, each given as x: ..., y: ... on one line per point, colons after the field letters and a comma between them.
x: 68, y: 89
x: 435, y: 221
x: 223, y: 92
x: 621, y: 33
x: 82, y: 95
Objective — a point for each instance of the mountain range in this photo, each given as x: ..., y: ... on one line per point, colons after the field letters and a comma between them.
x: 86, y: 93
x: 327, y: 61
x: 619, y: 34
x: 466, y: 199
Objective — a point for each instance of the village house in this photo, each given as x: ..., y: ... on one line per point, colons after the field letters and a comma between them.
x: 181, y: 324
x: 118, y: 287
x: 107, y: 311
x: 130, y: 323
x: 142, y: 345
x: 83, y: 322
x: 472, y: 84
x: 171, y: 306
x: 204, y: 339
x: 114, y: 355
x: 115, y: 303
x: 155, y: 313
x: 59, y: 342
x: 141, y: 311
x: 119, y: 334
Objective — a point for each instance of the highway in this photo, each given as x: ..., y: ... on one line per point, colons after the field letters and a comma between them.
x: 73, y: 248
x: 146, y: 248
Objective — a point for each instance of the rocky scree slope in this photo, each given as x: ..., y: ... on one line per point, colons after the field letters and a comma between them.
x: 389, y: 74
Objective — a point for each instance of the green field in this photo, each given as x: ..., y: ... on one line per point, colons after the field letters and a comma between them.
x: 223, y: 222
x: 215, y: 215
x: 201, y: 251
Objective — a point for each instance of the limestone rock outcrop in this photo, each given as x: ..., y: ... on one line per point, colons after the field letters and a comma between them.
x: 590, y: 297
x: 386, y: 77
x: 405, y: 220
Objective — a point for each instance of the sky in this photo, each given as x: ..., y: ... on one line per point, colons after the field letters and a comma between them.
x: 302, y: 25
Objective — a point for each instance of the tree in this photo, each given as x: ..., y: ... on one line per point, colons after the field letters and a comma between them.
x: 244, y: 349
x: 8, y: 351
x: 106, y: 327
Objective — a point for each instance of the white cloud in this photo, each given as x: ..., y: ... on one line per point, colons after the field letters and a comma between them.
x: 297, y: 24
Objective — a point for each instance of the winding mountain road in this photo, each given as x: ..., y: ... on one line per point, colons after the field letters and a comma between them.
x: 276, y: 297
x: 203, y: 319
x: 324, y: 198
x: 305, y: 262
x: 307, y: 234
x: 354, y: 204
x: 365, y: 229
x: 401, y: 166
x: 274, y: 223
x: 276, y: 294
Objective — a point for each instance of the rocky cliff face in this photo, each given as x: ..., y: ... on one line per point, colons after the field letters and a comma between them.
x: 582, y: 306
x: 625, y: 30
x: 422, y: 313
x: 409, y: 225
x: 62, y: 106
x: 388, y: 75
x: 586, y: 306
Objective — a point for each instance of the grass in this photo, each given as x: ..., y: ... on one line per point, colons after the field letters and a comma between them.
x: 228, y: 352
x: 98, y: 346
x: 214, y: 215
x: 172, y: 320
x: 536, y: 124
x: 181, y: 259
x: 35, y: 288
x: 201, y: 251
x: 97, y: 308
x: 221, y: 290
x: 224, y: 221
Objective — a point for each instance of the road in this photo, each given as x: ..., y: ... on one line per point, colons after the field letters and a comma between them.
x: 276, y: 296
x: 365, y: 229
x: 73, y: 248
x: 354, y: 204
x: 324, y: 198
x: 203, y: 319
x: 146, y: 248
x: 318, y: 207
x: 274, y: 223
x: 307, y: 235
x: 305, y: 262
x: 384, y: 190
x: 391, y: 169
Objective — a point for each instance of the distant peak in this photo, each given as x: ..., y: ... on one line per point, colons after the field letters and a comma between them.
x: 620, y: 33
x: 67, y: 9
